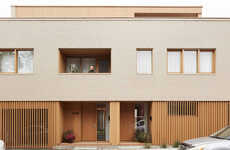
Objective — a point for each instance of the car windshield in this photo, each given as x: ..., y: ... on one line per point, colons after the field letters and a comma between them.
x: 222, y: 134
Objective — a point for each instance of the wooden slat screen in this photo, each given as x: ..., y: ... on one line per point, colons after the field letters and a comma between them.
x: 179, y: 121
x: 27, y: 124
x: 28, y: 120
x: 182, y: 108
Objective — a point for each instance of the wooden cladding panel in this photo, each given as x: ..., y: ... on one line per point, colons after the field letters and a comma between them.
x: 103, y: 11
x: 89, y: 122
x: 28, y: 124
x: 127, y: 121
x: 167, y: 128
x: 213, y: 116
x: 59, y: 123
x: 114, y: 123
x: 72, y: 118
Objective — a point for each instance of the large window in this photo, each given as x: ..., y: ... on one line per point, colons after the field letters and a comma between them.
x: 85, y: 60
x: 144, y: 61
x: 191, y: 61
x: 16, y: 61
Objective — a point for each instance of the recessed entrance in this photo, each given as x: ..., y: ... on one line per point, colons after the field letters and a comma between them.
x: 133, y: 118
x: 89, y: 121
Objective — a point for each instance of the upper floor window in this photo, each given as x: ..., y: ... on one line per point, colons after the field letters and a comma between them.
x: 16, y: 60
x: 90, y: 60
x: 144, y: 61
x: 191, y: 61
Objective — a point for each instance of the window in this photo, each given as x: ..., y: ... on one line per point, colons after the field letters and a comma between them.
x: 191, y: 61
x: 182, y: 108
x: 73, y: 64
x: 206, y: 61
x: 25, y: 61
x: 174, y: 61
x: 16, y: 61
x: 144, y: 61
x: 85, y: 60
x: 7, y: 61
x: 87, y: 63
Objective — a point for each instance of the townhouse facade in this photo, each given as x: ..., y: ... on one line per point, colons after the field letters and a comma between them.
x: 104, y: 72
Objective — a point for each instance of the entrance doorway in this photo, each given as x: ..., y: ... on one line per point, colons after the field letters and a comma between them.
x: 133, y: 116
x: 89, y: 121
x: 101, y: 119
x: 100, y: 125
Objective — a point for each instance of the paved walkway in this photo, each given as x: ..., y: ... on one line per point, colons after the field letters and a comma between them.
x: 108, y: 147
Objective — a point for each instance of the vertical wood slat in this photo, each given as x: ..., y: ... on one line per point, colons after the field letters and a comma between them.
x: 16, y: 60
x: 14, y: 125
x: 3, y: 118
x: 24, y: 124
x: 43, y: 112
x: 11, y: 127
x: 115, y: 123
x: 186, y: 120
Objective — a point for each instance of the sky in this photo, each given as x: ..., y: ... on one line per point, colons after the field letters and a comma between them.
x: 211, y: 8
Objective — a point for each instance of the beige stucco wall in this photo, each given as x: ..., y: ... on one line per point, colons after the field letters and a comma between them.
x: 123, y: 37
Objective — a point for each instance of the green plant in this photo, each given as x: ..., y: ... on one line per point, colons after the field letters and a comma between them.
x: 163, y: 146
x: 176, y: 144
x: 141, y: 136
x: 147, y: 145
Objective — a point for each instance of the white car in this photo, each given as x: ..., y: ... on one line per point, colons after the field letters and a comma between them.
x: 217, y: 141
x: 2, y: 145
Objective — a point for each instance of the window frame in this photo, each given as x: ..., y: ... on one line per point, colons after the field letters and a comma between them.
x: 16, y: 50
x: 62, y: 58
x: 181, y: 59
x: 198, y: 50
x: 145, y: 49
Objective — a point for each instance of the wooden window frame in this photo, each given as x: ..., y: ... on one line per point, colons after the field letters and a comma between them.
x: 198, y: 50
x: 145, y: 49
x: 15, y: 50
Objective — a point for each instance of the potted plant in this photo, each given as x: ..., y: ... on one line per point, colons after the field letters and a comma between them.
x: 68, y: 136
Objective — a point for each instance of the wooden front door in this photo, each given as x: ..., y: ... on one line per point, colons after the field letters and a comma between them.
x: 89, y: 123
x: 127, y: 121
